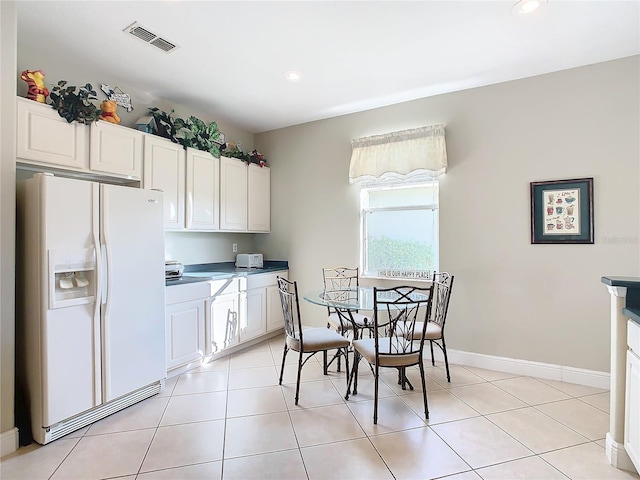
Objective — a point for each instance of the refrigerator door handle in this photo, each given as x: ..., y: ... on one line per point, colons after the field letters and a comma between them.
x: 97, y: 353
x: 97, y: 330
x: 104, y: 278
x: 98, y: 277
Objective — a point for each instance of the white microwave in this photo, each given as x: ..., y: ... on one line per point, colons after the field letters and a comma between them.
x: 249, y: 260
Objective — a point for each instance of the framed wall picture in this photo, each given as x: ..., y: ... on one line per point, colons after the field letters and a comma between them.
x: 562, y: 211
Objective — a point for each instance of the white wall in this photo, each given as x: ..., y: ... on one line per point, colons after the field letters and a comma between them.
x: 8, y: 17
x: 205, y: 247
x: 542, y: 303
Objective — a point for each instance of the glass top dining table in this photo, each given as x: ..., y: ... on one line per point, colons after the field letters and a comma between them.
x: 358, y: 298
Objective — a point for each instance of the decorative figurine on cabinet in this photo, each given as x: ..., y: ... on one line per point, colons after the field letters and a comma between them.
x: 35, y: 82
x: 109, y: 114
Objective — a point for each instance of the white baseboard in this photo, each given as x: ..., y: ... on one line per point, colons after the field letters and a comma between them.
x: 9, y: 442
x: 590, y: 378
x: 618, y: 456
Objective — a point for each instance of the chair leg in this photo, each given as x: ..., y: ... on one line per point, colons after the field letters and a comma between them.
x: 375, y: 396
x: 433, y: 362
x: 299, y: 372
x: 346, y: 365
x: 403, y: 381
x: 446, y: 359
x: 424, y: 390
x: 325, y: 364
x: 354, y: 373
x: 284, y: 355
x: 356, y: 364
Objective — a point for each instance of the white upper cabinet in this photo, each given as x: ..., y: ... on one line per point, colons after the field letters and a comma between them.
x: 259, y: 198
x: 116, y: 150
x: 43, y: 136
x: 203, y: 191
x: 233, y: 194
x: 164, y: 169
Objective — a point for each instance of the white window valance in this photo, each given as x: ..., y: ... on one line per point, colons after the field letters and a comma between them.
x: 409, y: 155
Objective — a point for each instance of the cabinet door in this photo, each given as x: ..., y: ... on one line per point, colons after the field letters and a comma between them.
x: 255, y: 320
x: 233, y: 194
x: 116, y: 149
x: 164, y: 164
x: 203, y: 198
x: 275, y: 318
x: 44, y: 136
x: 225, y: 322
x: 259, y: 198
x: 185, y: 332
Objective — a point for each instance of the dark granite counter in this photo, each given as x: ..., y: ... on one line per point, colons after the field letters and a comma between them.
x: 632, y: 284
x: 204, y: 272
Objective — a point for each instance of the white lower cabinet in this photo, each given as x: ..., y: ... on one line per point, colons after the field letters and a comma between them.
x: 224, y: 322
x: 255, y: 322
x: 185, y: 332
x: 275, y: 318
x: 185, y: 314
x: 632, y: 400
x: 205, y: 318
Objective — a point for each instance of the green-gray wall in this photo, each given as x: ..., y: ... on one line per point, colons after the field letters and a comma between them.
x: 542, y: 303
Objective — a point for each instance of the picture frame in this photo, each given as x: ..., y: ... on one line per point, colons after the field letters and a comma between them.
x: 562, y: 211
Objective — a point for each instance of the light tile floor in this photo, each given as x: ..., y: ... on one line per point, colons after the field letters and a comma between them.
x: 231, y: 420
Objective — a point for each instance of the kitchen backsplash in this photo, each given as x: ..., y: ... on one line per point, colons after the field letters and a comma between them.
x: 204, y: 247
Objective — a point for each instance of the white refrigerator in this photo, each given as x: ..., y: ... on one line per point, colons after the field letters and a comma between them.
x: 90, y: 300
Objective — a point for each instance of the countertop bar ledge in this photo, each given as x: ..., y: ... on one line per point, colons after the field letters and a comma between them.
x: 625, y: 306
x: 632, y: 284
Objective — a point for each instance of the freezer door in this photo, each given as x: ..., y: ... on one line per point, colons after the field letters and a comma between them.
x: 63, y: 347
x: 133, y: 349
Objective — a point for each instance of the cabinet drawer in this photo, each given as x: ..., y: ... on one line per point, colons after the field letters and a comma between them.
x: 186, y: 293
x: 224, y: 287
x: 264, y: 279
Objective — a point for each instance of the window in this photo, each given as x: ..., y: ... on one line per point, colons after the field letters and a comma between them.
x: 400, y: 231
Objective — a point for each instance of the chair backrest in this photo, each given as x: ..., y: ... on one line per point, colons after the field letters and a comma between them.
x: 397, y: 310
x: 340, y: 278
x: 337, y: 279
x: 290, y: 308
x: 443, y: 282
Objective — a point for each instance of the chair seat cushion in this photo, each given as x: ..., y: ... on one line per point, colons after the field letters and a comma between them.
x: 318, y: 339
x: 360, y: 319
x: 367, y: 348
x: 434, y: 331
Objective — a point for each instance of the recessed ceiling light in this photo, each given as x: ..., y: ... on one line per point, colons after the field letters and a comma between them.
x: 292, y: 76
x: 527, y: 6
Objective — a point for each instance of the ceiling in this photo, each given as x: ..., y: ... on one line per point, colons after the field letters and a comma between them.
x: 353, y: 56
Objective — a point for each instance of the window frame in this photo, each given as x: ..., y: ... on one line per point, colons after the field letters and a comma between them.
x: 364, y: 210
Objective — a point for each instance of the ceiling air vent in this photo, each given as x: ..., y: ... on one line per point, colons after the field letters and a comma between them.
x: 151, y: 38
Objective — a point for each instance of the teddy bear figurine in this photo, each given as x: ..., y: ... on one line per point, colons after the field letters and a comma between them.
x: 35, y: 84
x: 109, y: 114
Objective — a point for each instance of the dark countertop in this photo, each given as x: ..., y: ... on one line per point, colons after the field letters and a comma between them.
x: 222, y: 270
x: 632, y: 284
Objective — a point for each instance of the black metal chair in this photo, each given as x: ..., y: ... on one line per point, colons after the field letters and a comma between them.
x: 443, y: 282
x: 397, y: 313
x: 343, y: 279
x: 308, y: 341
